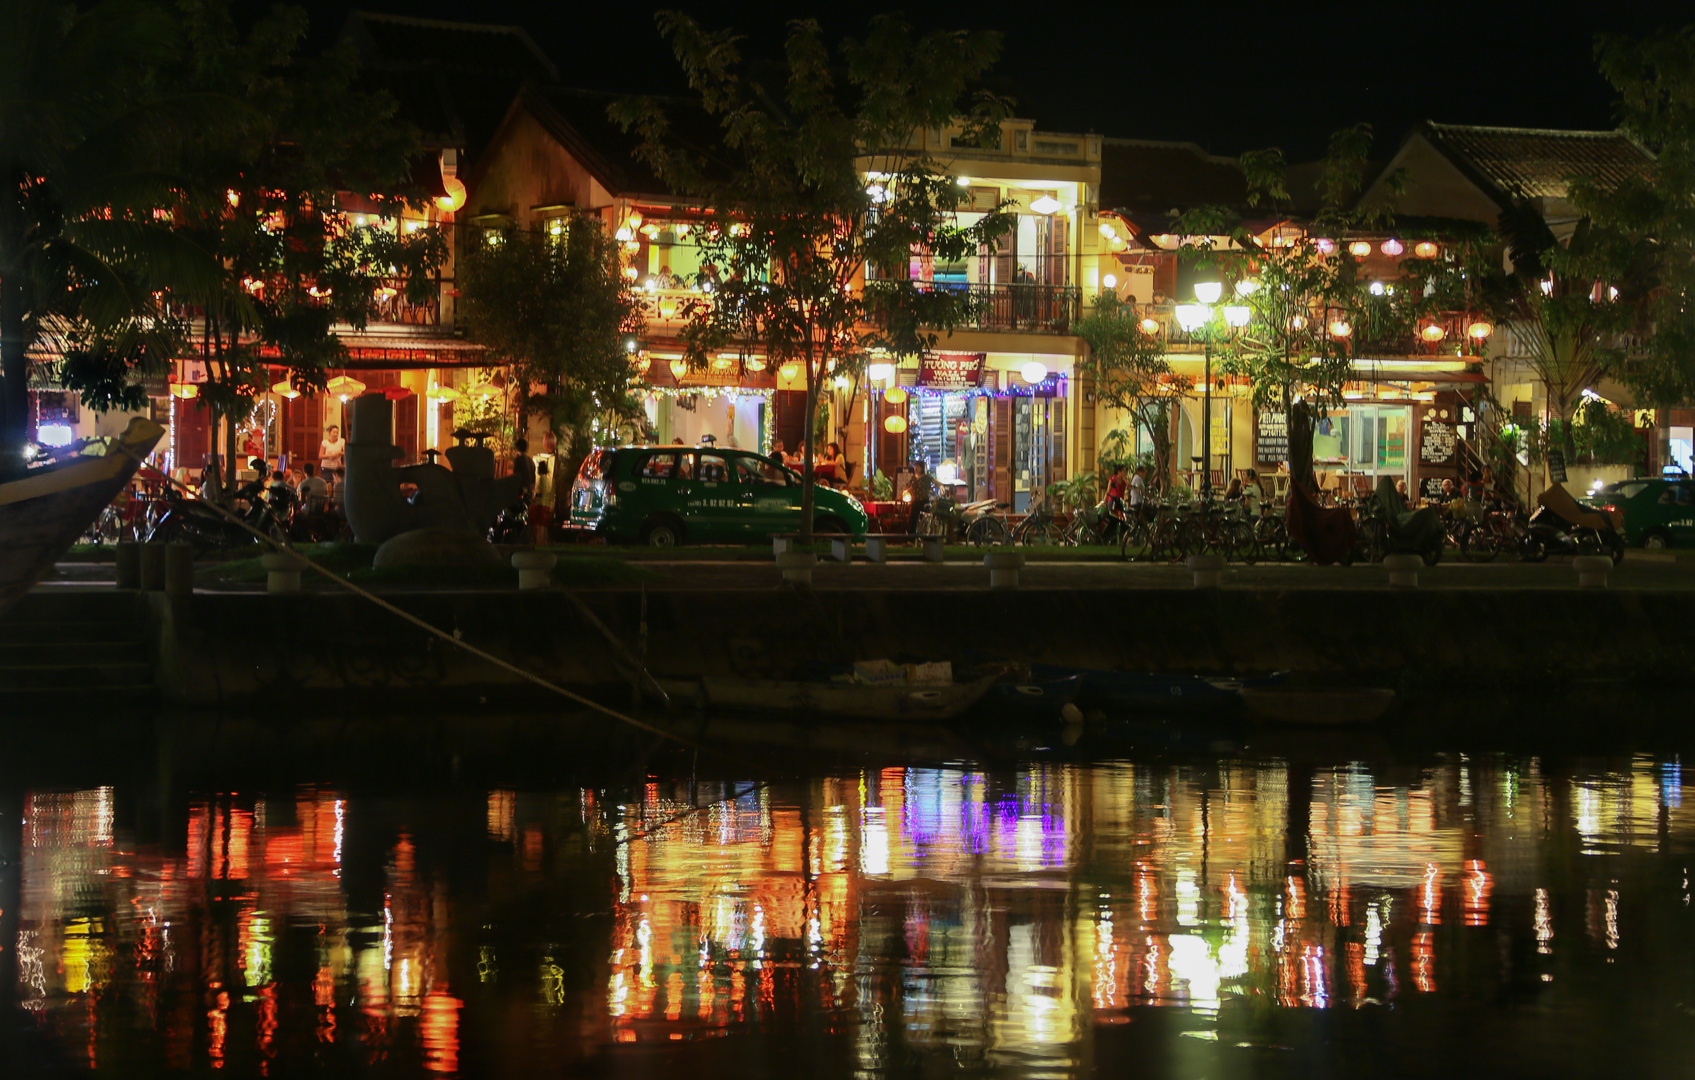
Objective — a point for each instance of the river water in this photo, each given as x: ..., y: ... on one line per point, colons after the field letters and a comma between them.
x: 1213, y: 916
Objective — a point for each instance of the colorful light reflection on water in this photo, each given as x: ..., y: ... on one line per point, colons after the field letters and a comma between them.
x: 1011, y: 921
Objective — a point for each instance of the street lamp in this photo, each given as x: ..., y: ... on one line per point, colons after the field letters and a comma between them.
x: 1197, y: 320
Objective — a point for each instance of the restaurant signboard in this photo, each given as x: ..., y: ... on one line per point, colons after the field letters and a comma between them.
x: 951, y: 371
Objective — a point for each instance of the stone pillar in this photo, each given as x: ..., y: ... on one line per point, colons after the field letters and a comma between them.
x: 1208, y: 570
x: 535, y: 568
x: 797, y: 567
x: 1592, y: 571
x: 282, y: 572
x: 129, y: 565
x: 1403, y: 570
x: 1003, y: 568
x: 153, y: 566
x: 179, y: 570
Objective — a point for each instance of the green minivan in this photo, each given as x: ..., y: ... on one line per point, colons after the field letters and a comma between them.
x: 668, y: 495
x: 1657, y: 513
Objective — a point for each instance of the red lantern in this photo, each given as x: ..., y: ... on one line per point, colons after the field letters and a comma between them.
x: 396, y: 392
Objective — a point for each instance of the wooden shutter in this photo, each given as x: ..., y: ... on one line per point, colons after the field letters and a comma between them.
x: 1005, y: 260
x: 1000, y: 434
x: 406, y: 427
x: 194, y: 433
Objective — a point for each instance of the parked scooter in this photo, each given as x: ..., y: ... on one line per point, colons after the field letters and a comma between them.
x: 194, y: 521
x: 1561, y: 527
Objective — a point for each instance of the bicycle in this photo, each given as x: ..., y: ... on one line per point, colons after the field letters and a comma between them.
x: 1038, y: 527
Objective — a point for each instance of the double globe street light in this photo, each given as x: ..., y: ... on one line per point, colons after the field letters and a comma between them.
x: 1202, y: 320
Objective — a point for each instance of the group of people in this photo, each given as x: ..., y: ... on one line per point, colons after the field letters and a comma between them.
x: 828, y: 466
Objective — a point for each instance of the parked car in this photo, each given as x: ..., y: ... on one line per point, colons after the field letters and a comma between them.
x: 1657, y: 513
x: 669, y: 495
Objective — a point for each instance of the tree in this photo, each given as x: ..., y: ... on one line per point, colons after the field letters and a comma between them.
x: 556, y: 307
x: 816, y: 196
x: 1132, y: 372
x: 89, y: 141
x: 1642, y: 240
x: 268, y: 206
x: 1304, y: 305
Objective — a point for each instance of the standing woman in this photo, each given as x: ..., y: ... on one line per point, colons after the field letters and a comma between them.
x: 332, y: 455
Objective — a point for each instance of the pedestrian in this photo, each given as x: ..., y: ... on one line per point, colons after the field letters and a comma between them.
x: 523, y: 467
x: 1117, y: 488
x: 332, y: 454
x: 1138, y: 488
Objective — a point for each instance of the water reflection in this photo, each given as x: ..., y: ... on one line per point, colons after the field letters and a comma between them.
x: 1011, y: 922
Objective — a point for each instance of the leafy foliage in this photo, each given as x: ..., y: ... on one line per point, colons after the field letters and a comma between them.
x: 806, y: 258
x: 558, y: 310
x: 1131, y: 372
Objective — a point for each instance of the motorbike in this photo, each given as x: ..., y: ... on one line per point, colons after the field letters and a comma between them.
x: 196, y: 522
x: 1562, y: 527
x: 510, y: 526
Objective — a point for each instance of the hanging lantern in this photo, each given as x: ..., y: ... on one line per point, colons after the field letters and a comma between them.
x: 443, y: 393
x: 386, y: 293
x: 641, y: 363
x: 679, y: 368
x: 894, y: 425
x: 1424, y: 249
x: 286, y: 389
x: 484, y: 391
x: 754, y: 364
x: 345, y: 386
x: 1340, y: 328
x: 895, y: 395
x: 1149, y: 326
x: 1391, y: 248
x: 789, y: 372
x: 1297, y: 322
x: 1433, y: 332
x: 396, y: 392
x: 1034, y: 372
x: 722, y: 363
x: 1324, y: 247
x: 454, y: 199
x: 1480, y: 330
x: 1359, y: 249
x: 184, y: 390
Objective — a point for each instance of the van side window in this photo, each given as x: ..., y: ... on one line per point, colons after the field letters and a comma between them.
x: 658, y: 467
x: 685, y: 468
x: 713, y: 469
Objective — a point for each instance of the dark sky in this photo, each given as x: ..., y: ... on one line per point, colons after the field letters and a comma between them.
x: 1230, y: 77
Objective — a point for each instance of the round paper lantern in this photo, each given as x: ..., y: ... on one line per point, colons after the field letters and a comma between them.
x: 1391, y: 248
x: 1480, y: 330
x: 345, y: 386
x: 1424, y: 249
x: 1359, y: 249
x: 894, y: 425
x: 895, y: 395
x: 1340, y: 328
x: 1034, y: 372
x: 1433, y: 332
x: 1324, y: 247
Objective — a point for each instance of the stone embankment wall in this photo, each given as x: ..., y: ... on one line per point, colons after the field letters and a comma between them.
x: 290, y: 651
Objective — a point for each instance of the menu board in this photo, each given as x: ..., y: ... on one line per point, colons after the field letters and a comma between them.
x: 1273, y: 436
x: 1438, y: 445
x: 951, y: 371
x: 1431, y: 486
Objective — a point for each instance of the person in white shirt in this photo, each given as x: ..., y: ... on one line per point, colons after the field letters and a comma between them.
x: 1138, y: 487
x: 332, y: 452
x: 313, y: 492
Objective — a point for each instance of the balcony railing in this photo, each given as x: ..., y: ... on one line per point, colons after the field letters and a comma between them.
x: 1040, y: 309
x: 1363, y: 342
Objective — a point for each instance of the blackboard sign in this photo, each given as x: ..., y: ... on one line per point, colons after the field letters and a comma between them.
x: 1431, y: 487
x: 1557, y: 466
x: 1437, y: 448
x: 1273, y: 437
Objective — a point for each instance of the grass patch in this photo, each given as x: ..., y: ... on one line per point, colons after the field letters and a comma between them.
x: 91, y: 553
x: 338, y: 558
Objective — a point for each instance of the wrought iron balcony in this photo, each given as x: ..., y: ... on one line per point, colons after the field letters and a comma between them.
x: 1039, y: 309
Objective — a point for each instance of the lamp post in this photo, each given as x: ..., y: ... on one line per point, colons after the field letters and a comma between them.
x: 1200, y: 320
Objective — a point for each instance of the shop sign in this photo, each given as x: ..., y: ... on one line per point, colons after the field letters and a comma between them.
x: 1557, y: 466
x: 952, y: 371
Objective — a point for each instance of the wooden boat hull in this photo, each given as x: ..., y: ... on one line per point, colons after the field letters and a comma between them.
x: 1319, y: 707
x: 902, y: 702
x: 43, y: 512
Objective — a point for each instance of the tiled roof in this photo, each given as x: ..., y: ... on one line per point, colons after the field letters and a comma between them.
x: 1536, y: 163
x: 1145, y: 177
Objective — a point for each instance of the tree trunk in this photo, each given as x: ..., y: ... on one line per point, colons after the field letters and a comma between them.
x: 807, y: 437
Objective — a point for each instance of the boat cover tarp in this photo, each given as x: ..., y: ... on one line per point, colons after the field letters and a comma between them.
x: 1325, y: 533
x: 1409, y: 530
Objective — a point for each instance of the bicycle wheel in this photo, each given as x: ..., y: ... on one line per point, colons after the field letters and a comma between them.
x: 1243, y: 544
x: 985, y: 531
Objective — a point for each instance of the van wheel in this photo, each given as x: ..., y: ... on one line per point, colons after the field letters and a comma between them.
x: 1657, y: 540
x: 662, y: 533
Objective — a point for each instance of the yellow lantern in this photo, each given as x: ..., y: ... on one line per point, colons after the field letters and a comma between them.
x: 443, y: 393
x: 895, y: 395
x: 1341, y: 328
x: 286, y: 389
x: 1359, y: 249
x: 184, y: 390
x: 641, y: 364
x: 1297, y: 322
x: 454, y: 199
x: 1433, y: 332
x: 754, y: 364
x: 789, y: 372
x: 1480, y: 330
x: 1424, y: 249
x: 679, y: 368
x: 484, y: 391
x: 345, y: 386
x: 894, y: 425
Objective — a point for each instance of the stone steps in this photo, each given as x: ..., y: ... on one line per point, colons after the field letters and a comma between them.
x: 73, y: 650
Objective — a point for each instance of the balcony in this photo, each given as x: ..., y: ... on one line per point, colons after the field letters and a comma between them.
x: 1035, y: 309
x: 1363, y: 342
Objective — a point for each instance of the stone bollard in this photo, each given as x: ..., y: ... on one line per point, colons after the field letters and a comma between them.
x: 1208, y: 570
x: 535, y: 568
x: 1403, y: 570
x: 932, y: 548
x: 129, y: 565
x: 282, y: 571
x: 1592, y: 571
x: 179, y: 570
x: 782, y: 545
x: 797, y: 567
x: 153, y: 566
x: 1003, y: 568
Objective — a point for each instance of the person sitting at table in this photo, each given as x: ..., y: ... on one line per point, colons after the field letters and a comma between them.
x: 313, y: 491
x: 1401, y: 490
x: 829, y: 467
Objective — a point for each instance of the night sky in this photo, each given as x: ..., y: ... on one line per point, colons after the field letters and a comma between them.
x: 1230, y: 77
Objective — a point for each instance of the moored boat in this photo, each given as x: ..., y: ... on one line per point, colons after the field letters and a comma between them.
x: 43, y: 511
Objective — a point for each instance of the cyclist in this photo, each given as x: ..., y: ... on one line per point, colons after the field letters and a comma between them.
x: 1116, y: 489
